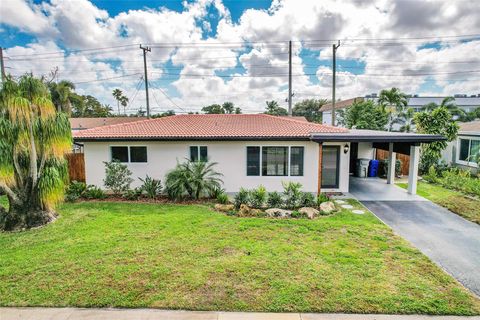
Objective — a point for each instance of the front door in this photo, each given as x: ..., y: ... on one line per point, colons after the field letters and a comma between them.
x: 330, y: 164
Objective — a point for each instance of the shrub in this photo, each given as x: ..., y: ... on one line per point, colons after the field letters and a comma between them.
x: 94, y: 192
x: 133, y: 195
x: 321, y: 198
x: 75, y: 191
x: 242, y: 197
x: 293, y: 193
x: 223, y: 198
x: 217, y: 192
x: 151, y: 187
x: 258, y: 197
x: 192, y: 179
x: 383, y: 168
x: 307, y: 199
x: 296, y: 214
x: 432, y: 175
x: 274, y: 200
x: 117, y: 177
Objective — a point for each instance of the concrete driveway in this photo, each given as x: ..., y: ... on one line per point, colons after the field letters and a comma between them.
x: 449, y: 240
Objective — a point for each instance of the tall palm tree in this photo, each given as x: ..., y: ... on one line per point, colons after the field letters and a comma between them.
x: 62, y: 94
x: 394, y: 102
x: 124, y: 103
x: 117, y: 94
x: 449, y: 103
x: 34, y: 140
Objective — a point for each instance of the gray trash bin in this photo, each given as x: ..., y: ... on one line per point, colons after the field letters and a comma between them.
x: 362, y: 168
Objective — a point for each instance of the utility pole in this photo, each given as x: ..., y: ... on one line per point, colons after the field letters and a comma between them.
x: 2, y: 65
x: 290, y: 78
x: 145, y: 49
x: 334, y: 70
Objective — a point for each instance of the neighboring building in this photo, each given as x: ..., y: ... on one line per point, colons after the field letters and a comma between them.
x: 88, y: 123
x: 465, y: 150
x: 464, y: 102
x: 250, y: 149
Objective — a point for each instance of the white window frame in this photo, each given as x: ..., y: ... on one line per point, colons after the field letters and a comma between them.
x: 457, y: 153
x: 289, y: 160
x: 128, y: 153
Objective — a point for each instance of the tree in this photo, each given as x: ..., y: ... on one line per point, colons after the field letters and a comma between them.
x: 228, y: 107
x: 448, y: 103
x: 117, y: 177
x: 124, y: 103
x: 164, y: 114
x: 274, y: 109
x: 62, y: 94
x: 117, y: 94
x: 213, y: 109
x: 394, y: 103
x: 310, y: 109
x: 364, y: 115
x: 238, y: 110
x: 89, y: 106
x: 407, y: 120
x: 34, y: 140
x: 439, y: 121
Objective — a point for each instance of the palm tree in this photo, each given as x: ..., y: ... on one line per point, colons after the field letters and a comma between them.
x: 117, y: 94
x: 124, y: 103
x: 407, y: 120
x: 35, y: 138
x: 62, y: 94
x: 449, y: 103
x: 394, y: 102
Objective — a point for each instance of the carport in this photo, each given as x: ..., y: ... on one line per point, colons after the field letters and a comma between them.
x: 393, y: 142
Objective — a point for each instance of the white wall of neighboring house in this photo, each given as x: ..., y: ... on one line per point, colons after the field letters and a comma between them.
x: 231, y: 157
x: 365, y: 150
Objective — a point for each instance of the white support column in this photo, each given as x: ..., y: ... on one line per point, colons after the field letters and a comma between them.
x: 392, y: 160
x: 413, y: 169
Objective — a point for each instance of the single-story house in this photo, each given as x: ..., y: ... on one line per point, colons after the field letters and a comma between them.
x: 464, y: 152
x: 250, y: 149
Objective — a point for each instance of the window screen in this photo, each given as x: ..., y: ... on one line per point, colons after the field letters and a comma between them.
x: 253, y: 161
x: 193, y: 153
x: 138, y: 154
x: 296, y: 161
x: 203, y: 154
x: 119, y: 154
x: 464, y: 146
x: 274, y: 161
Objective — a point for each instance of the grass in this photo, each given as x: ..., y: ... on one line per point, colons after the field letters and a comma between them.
x: 102, y: 254
x: 457, y: 202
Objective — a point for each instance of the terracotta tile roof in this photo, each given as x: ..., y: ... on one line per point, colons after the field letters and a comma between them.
x: 87, y: 123
x: 199, y: 126
x: 466, y: 127
x: 341, y: 104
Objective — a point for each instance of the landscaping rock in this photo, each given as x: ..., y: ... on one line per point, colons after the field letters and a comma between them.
x: 309, y: 212
x: 224, y: 207
x: 278, y: 213
x: 246, y: 211
x: 347, y: 206
x: 327, y: 207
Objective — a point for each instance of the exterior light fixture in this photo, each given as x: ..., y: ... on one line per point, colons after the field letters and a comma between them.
x: 346, y: 147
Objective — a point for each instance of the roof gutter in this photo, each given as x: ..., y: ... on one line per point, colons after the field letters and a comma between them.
x: 419, y: 138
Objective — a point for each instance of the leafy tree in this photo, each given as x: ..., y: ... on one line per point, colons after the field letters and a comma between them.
x: 164, y: 114
x: 310, y: 109
x: 438, y: 121
x: 238, y: 110
x: 89, y: 106
x: 363, y: 115
x: 213, y: 109
x: 117, y: 177
x: 274, y: 109
x: 394, y: 102
x: 34, y: 140
x: 62, y: 94
x: 405, y: 118
x: 228, y: 107
x: 448, y: 103
x: 192, y: 179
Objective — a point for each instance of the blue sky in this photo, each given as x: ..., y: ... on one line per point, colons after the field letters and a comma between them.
x: 211, y: 51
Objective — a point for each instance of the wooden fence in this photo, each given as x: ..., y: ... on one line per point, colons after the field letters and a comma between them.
x: 76, y: 166
x: 383, y: 155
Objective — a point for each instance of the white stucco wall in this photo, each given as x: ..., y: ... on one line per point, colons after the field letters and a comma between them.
x: 230, y: 156
x: 365, y: 150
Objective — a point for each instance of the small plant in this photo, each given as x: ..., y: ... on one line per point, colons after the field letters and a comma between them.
x: 117, y: 177
x: 241, y: 197
x: 258, y: 197
x: 94, y: 192
x: 133, y: 195
x: 293, y: 193
x: 321, y: 198
x: 307, y: 199
x: 151, y: 187
x: 296, y: 214
x: 223, y: 198
x: 75, y: 191
x: 274, y: 200
x: 432, y: 175
x: 217, y: 191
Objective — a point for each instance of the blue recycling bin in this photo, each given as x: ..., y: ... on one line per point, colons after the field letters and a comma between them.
x: 373, y: 168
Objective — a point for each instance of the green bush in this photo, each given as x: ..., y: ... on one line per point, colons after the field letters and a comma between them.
x: 307, y: 199
x: 133, y: 195
x: 94, y: 192
x: 117, y: 177
x: 242, y: 197
x: 321, y: 198
x: 274, y: 200
x: 383, y: 168
x: 223, y: 198
x: 292, y: 192
x: 151, y: 187
x: 296, y: 214
x: 432, y: 175
x: 75, y: 191
x: 257, y: 197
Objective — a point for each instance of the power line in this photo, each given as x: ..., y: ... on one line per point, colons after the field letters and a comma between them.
x: 105, y: 79
x: 168, y: 97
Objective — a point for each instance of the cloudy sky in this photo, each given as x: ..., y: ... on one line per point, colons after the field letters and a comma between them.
x: 211, y: 51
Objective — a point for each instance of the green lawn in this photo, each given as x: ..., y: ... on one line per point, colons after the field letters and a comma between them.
x: 457, y: 202
x: 188, y: 257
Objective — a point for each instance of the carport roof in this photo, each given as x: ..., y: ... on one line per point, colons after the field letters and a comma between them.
x: 357, y: 135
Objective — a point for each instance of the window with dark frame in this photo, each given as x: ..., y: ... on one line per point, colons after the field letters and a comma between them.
x: 253, y: 161
x: 199, y: 153
x: 274, y: 161
x: 126, y: 154
x: 119, y: 154
x: 138, y: 154
x: 296, y: 161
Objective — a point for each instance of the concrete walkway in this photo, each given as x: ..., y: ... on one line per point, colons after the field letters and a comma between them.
x: 449, y: 240
x: 151, y: 314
